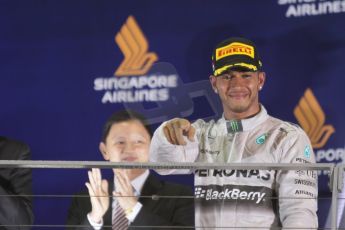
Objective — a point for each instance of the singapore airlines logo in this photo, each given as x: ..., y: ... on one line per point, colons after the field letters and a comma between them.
x: 311, y: 117
x: 134, y: 46
x: 307, y: 8
x: 138, y: 78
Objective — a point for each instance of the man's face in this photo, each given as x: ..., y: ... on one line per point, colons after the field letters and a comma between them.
x: 127, y: 141
x: 238, y: 92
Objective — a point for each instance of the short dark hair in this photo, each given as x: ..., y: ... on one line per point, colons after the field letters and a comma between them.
x: 121, y: 116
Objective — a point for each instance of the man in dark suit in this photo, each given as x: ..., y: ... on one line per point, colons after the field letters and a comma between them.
x: 15, y: 210
x: 139, y: 197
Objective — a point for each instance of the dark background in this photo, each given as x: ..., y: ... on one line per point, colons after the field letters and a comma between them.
x: 52, y: 51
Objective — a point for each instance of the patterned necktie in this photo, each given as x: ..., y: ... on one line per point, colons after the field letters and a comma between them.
x: 119, y: 220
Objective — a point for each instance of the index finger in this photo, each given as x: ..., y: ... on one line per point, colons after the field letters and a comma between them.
x: 170, y: 133
x: 178, y: 130
x: 97, y: 175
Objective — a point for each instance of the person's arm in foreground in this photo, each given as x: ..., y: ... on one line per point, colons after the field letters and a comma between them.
x: 297, y: 189
x: 174, y: 141
x: 17, y: 210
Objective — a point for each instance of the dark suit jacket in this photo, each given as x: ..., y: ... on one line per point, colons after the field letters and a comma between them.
x: 15, y: 181
x: 156, y: 211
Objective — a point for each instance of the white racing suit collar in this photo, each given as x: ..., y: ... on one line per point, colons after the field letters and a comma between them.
x: 233, y: 126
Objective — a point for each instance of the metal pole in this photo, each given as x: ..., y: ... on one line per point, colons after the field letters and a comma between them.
x: 334, y: 210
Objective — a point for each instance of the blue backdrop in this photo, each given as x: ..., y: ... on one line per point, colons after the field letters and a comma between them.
x: 53, y: 52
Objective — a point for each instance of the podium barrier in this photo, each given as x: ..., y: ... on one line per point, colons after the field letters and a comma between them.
x: 335, y: 174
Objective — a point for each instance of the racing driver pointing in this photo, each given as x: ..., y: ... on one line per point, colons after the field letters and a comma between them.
x: 242, y: 199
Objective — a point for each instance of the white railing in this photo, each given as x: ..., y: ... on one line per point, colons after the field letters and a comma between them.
x: 336, y: 175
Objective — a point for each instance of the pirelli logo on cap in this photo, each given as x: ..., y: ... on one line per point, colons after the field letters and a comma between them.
x: 312, y: 118
x: 235, y: 48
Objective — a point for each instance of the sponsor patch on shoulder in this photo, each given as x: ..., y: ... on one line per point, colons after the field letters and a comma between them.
x: 307, y: 151
x: 261, y: 139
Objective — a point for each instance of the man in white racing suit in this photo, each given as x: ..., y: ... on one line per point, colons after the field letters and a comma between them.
x: 242, y: 199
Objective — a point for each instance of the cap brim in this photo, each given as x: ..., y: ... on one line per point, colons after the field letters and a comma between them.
x: 241, y: 67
